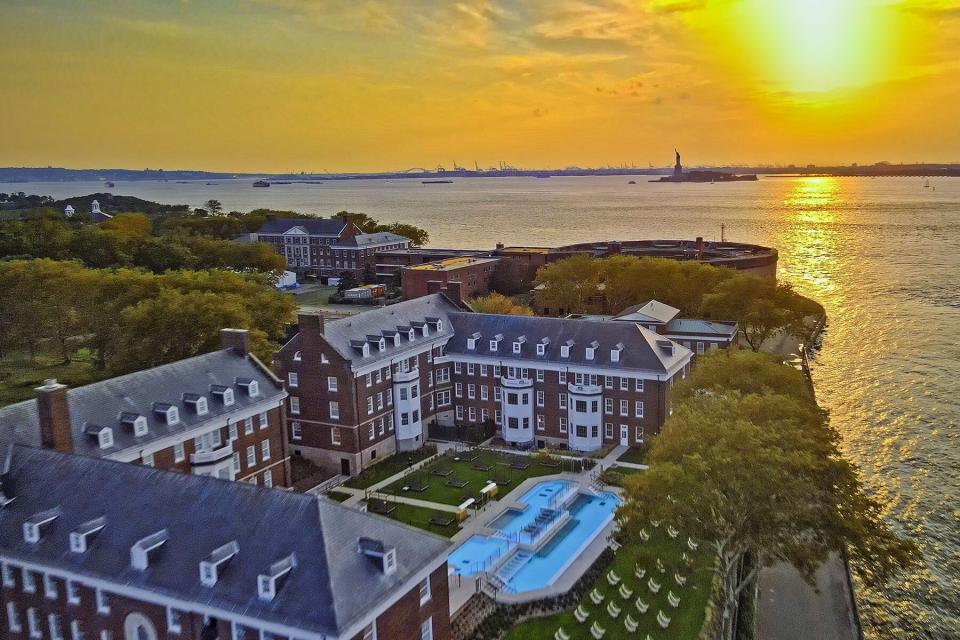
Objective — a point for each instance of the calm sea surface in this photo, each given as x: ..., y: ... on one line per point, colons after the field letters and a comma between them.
x: 883, y: 255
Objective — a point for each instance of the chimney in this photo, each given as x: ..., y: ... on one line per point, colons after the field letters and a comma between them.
x: 54, y: 415
x: 236, y: 339
x: 311, y: 335
x: 455, y: 292
x: 434, y: 286
x: 499, y: 246
x: 699, y: 247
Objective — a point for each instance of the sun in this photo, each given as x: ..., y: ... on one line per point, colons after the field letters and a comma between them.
x: 809, y: 46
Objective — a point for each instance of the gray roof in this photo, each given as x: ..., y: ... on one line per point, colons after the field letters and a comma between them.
x: 314, y: 226
x: 102, y: 403
x: 686, y: 326
x: 652, y: 311
x: 640, y: 345
x: 343, y: 334
x: 368, y: 239
x: 331, y: 588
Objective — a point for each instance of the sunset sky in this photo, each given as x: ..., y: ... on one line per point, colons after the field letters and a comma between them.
x: 291, y: 85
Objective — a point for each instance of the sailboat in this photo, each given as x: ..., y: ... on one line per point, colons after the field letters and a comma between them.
x: 926, y: 183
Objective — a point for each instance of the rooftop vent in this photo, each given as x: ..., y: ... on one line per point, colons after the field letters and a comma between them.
x: 35, y: 524
x: 81, y: 536
x: 135, y: 421
x: 251, y: 386
x: 269, y: 583
x: 104, y: 435
x: 223, y: 393
x: 196, y: 402
x: 211, y: 566
x: 384, y: 556
x: 143, y: 549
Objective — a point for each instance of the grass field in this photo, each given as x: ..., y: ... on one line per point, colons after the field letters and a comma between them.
x: 19, y: 377
x: 636, y: 455
x: 438, y: 489
x: 420, y: 517
x: 685, y: 620
x: 315, y: 298
x: 387, y: 467
x: 337, y: 496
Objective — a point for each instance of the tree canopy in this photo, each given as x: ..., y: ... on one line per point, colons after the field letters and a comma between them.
x: 500, y: 304
x: 749, y: 464
x: 367, y: 224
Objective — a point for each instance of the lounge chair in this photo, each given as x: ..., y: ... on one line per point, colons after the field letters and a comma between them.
x: 613, y: 578
x: 630, y: 623
x: 693, y: 545
x: 441, y: 520
x: 520, y: 465
x: 679, y: 579
x: 639, y: 573
x: 673, y: 600
x: 441, y: 470
x: 660, y: 567
x: 673, y: 533
x: 655, y: 523
x: 470, y: 455
x: 417, y: 485
x: 662, y: 619
x: 613, y: 609
x: 381, y: 507
x: 614, y: 545
x: 644, y: 535
x: 561, y: 634
x: 595, y: 596
x: 653, y: 585
x: 685, y: 557
x: 641, y: 605
x: 581, y: 614
x: 597, y: 631
x: 481, y: 466
x: 625, y: 592
x: 454, y: 481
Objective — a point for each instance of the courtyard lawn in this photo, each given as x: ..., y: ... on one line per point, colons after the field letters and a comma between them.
x: 442, y: 489
x: 636, y: 455
x: 685, y: 620
x: 615, y: 475
x: 315, y: 298
x: 392, y: 465
x: 419, y: 517
x: 338, y: 496
x: 19, y: 377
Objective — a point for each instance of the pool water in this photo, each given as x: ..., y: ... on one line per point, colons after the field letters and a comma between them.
x: 518, y: 567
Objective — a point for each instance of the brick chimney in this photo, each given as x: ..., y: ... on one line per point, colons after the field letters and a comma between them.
x: 53, y: 413
x: 311, y: 335
x: 699, y: 247
x: 434, y: 286
x: 454, y: 292
x: 236, y: 339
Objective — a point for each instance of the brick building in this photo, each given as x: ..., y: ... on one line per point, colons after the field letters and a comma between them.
x: 95, y: 550
x: 327, y: 247
x: 473, y: 274
x: 391, y: 261
x: 219, y: 414
x: 366, y: 386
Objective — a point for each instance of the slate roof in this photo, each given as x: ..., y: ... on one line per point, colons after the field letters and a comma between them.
x: 686, y: 326
x: 653, y: 311
x: 640, y: 348
x: 362, y: 240
x: 340, y: 333
x: 331, y: 588
x: 102, y: 403
x: 314, y: 226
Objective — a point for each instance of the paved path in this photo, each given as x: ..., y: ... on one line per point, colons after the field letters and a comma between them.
x: 610, y: 460
x: 790, y: 609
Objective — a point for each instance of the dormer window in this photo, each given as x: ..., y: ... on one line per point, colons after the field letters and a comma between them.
x: 396, y: 339
x: 170, y: 414
x: 382, y: 345
x: 213, y: 565
x: 518, y: 344
x: 615, y: 352
x: 493, y: 345
x: 224, y: 393
x: 136, y: 422
x: 472, y: 341
x: 81, y: 537
x: 592, y: 349
x: 197, y: 402
x: 201, y: 407
x: 269, y: 583
x: 542, y: 346
x: 143, y: 549
x: 439, y: 324
x: 412, y: 335
x: 35, y: 525
x: 366, y: 350
x: 104, y: 435
x: 564, y: 351
x: 252, y: 387
x: 384, y: 556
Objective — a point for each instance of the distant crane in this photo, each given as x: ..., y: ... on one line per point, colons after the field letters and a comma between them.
x: 457, y: 167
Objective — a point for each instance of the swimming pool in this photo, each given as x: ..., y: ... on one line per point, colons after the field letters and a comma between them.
x: 533, y: 546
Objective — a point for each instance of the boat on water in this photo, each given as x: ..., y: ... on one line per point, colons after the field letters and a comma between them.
x: 632, y: 182
x: 212, y: 183
x: 261, y: 183
x: 436, y: 182
x: 109, y: 185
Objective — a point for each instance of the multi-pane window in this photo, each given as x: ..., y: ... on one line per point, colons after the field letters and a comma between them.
x: 265, y: 450
x: 638, y: 435
x: 459, y: 412
x: 331, y: 383
x: 247, y: 426
x: 562, y: 377
x: 369, y: 405
x: 103, y: 602
x: 296, y: 430
x: 638, y: 384
x: 335, y: 435
x: 608, y: 406
x: 484, y: 394
x: 294, y: 405
x: 624, y: 384
x: 472, y: 413
x: 608, y: 382
x: 624, y: 408
x: 563, y: 400
x: 236, y: 462
x: 563, y: 425
x: 540, y: 425
x: 425, y: 594
x: 379, y: 400
x: 426, y: 629
x: 638, y: 408
x: 539, y: 398
x: 483, y: 370
x: 371, y: 431
x: 458, y: 390
x: 251, y: 456
x: 471, y: 391
x: 334, y: 410
x: 179, y: 455
x: 496, y: 416
x: 264, y: 422
x: 49, y: 587
x: 471, y: 369
x: 369, y: 378
x: 457, y: 367
x: 539, y: 375
x: 148, y: 459
x: 232, y: 431
x: 608, y: 430
x: 496, y: 393
x: 293, y: 379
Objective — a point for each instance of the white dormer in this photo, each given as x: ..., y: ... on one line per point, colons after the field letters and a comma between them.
x: 105, y: 438
x: 615, y: 352
x: 366, y: 350
x: 268, y: 584
x: 136, y: 422
x: 35, y: 524
x: 169, y: 413
x: 396, y: 339
x: 143, y: 548
x: 81, y: 537
x: 472, y: 341
x: 565, y: 349
x: 223, y: 392
x: 213, y: 565
x: 252, y: 387
x: 382, y: 345
x: 542, y: 346
x: 384, y: 556
x: 592, y: 350
x: 518, y: 343
x: 201, y: 406
x: 439, y: 324
x: 412, y: 335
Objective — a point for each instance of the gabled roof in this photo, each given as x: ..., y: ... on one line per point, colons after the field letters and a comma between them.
x: 141, y: 393
x: 685, y: 326
x: 330, y: 590
x: 640, y: 350
x: 346, y: 334
x: 369, y: 239
x: 650, y: 312
x: 331, y: 227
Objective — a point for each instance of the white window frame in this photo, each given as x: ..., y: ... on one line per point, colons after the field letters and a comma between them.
x: 179, y: 454
x: 174, y: 620
x: 103, y: 602
x: 294, y: 406
x: 49, y: 587
x: 293, y: 379
x: 334, y: 408
x: 332, y: 383
x: 425, y: 593
x: 335, y: 435
x: 624, y: 408
x: 638, y: 384
x: 265, y: 450
x: 251, y: 457
x: 426, y: 629
x: 73, y: 592
x: 248, y: 425
x: 13, y: 617
x: 638, y: 409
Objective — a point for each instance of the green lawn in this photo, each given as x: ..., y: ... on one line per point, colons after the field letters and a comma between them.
x: 389, y: 466
x: 338, y: 496
x: 438, y: 489
x: 615, y: 475
x: 420, y: 517
x: 19, y: 378
x: 315, y: 298
x: 636, y: 455
x: 685, y: 620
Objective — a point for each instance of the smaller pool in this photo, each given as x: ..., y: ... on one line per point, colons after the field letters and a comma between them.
x: 477, y: 554
x: 505, y: 519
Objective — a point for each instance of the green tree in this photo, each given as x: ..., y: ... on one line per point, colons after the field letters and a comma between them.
x: 214, y: 207
x: 347, y: 281
x: 418, y: 237
x: 499, y: 304
x: 570, y: 285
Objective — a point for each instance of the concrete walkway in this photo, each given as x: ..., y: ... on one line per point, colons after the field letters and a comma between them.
x: 790, y: 609
x: 610, y: 460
